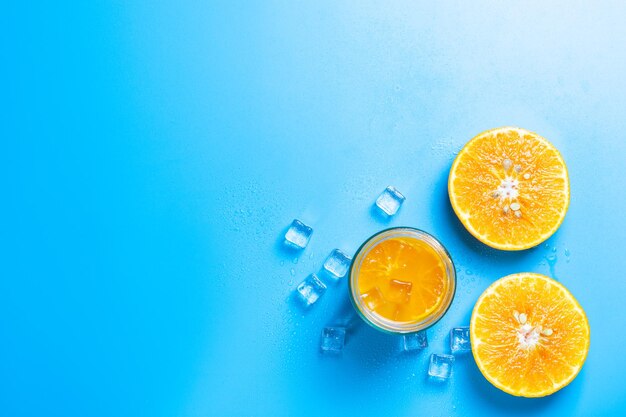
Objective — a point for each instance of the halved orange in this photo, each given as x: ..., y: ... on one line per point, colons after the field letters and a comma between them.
x: 529, y: 335
x: 510, y: 188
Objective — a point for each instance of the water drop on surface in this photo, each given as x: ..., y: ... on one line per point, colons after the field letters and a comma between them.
x: 292, y: 272
x: 551, y: 259
x: 295, y: 260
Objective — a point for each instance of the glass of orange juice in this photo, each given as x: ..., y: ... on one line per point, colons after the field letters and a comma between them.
x: 402, y: 280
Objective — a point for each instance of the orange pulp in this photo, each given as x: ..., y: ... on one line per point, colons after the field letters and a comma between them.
x: 402, y: 279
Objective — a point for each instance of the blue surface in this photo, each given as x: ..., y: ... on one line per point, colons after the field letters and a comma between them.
x: 154, y: 153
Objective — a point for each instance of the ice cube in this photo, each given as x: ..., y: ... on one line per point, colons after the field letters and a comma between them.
x: 440, y: 367
x: 333, y: 339
x: 337, y: 263
x: 372, y: 298
x: 390, y: 200
x: 399, y: 291
x: 415, y: 341
x: 460, y: 340
x: 388, y: 310
x: 311, y: 289
x: 298, y: 234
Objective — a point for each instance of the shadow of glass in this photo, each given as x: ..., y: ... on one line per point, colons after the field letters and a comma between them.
x: 367, y: 345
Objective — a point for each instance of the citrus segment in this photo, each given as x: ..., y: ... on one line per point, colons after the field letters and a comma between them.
x: 529, y: 335
x: 510, y: 188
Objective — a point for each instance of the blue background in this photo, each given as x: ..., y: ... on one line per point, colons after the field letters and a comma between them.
x: 153, y: 154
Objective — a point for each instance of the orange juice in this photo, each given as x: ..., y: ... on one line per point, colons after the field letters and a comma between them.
x: 402, y: 280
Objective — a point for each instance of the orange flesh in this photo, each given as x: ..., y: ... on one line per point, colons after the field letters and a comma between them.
x: 402, y: 279
x: 534, y: 355
x: 510, y: 188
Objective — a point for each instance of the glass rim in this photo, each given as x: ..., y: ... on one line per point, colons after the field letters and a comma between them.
x: 391, y: 326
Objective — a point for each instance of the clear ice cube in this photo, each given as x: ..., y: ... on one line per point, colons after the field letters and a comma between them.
x: 372, y: 298
x: 399, y: 291
x: 388, y: 310
x: 337, y: 263
x: 333, y: 339
x: 298, y: 234
x: 311, y: 289
x: 415, y: 341
x: 440, y: 366
x: 390, y: 200
x: 460, y: 340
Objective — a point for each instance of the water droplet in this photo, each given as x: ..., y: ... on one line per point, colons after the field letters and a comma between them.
x: 295, y: 260
x: 468, y: 272
x: 282, y: 263
x: 311, y: 256
x: 292, y: 272
x: 554, y: 249
x: 551, y: 259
